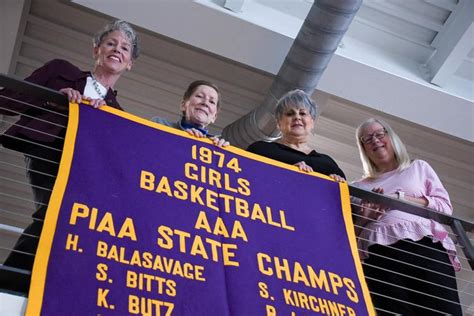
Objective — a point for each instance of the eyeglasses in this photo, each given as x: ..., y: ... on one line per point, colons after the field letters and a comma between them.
x: 369, y: 139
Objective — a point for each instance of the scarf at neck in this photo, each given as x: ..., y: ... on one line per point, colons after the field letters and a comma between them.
x: 188, y: 125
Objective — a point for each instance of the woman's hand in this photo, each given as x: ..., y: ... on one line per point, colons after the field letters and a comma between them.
x: 378, y: 190
x: 337, y: 178
x: 304, y: 167
x: 365, y: 213
x: 73, y: 96
x: 219, y: 142
x: 96, y: 103
x: 195, y: 132
x: 371, y: 211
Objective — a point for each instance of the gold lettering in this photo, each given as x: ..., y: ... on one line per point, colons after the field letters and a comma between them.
x: 189, y: 169
x: 164, y: 186
x: 166, y: 242
x: 202, y: 222
x: 181, y: 192
x: 264, y: 270
x: 147, y: 180
x: 198, y: 248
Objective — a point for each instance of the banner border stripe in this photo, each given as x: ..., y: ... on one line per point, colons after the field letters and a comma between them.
x: 347, y: 213
x: 39, y: 273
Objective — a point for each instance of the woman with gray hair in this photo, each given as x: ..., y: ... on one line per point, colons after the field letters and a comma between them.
x: 40, y: 131
x: 295, y: 115
x: 115, y: 50
x: 409, y: 261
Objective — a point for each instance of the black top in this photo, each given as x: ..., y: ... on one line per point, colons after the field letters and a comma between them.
x: 319, y: 162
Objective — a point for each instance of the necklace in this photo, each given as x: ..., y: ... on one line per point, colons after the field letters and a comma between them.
x: 96, y: 87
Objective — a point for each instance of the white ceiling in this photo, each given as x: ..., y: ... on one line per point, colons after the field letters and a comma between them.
x: 412, y: 59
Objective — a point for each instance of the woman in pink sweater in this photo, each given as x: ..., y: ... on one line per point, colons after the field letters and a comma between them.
x: 409, y: 261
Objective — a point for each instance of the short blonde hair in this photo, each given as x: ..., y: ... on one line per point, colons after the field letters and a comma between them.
x: 401, y: 154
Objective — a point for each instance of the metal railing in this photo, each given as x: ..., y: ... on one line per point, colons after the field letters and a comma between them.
x: 10, y: 161
x: 464, y: 248
x: 459, y: 226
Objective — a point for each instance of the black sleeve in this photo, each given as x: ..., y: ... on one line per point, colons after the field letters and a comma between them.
x: 337, y: 170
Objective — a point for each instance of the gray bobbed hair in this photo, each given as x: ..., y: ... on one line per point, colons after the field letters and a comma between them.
x: 126, y: 29
x: 295, y: 98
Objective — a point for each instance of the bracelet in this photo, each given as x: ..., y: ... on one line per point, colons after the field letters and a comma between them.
x: 400, y: 195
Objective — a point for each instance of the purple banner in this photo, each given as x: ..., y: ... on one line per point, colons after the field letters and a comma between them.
x: 145, y: 220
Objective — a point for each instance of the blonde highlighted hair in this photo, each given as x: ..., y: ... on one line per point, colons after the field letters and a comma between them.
x: 401, y: 154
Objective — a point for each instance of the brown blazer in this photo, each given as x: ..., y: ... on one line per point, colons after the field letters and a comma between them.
x: 35, y: 123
